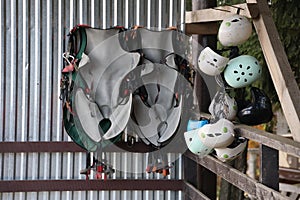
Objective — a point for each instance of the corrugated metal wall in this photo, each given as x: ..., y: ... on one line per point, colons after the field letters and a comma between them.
x: 32, y: 36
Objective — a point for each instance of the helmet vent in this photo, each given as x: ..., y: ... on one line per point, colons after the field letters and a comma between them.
x: 235, y: 20
x: 215, y: 60
x: 191, y: 139
x: 242, y: 71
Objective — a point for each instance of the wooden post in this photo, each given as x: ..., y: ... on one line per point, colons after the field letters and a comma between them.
x: 279, y: 67
x: 269, y: 175
x: 190, y: 173
x: 229, y: 191
x: 206, y: 180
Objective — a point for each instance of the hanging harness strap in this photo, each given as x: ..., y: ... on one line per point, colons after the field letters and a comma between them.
x: 157, y: 101
x: 99, y: 111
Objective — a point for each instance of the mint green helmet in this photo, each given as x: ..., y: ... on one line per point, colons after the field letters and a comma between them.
x: 242, y: 71
x: 195, y: 145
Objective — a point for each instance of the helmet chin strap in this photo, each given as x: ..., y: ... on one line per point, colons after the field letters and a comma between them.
x: 234, y: 52
x: 238, y: 11
x: 155, y: 115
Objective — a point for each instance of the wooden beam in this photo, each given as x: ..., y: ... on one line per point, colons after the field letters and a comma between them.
x: 52, y: 147
x: 271, y: 140
x: 279, y: 67
x: 83, y: 185
x: 219, y: 13
x: 237, y: 178
x: 193, y: 193
x: 39, y: 147
x: 288, y: 175
x: 209, y: 28
x: 229, y: 191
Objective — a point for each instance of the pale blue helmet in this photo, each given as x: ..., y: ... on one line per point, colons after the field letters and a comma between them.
x: 242, y: 71
x: 195, y: 145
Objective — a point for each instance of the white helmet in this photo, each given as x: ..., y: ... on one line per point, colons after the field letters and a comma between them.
x: 195, y: 145
x: 211, y: 63
x: 232, y: 151
x: 234, y: 30
x: 217, y: 135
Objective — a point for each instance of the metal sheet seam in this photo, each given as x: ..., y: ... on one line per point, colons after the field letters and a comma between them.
x: 35, y: 68
x: 12, y: 92
x: 47, y: 84
x: 58, y: 65
x: 1, y: 74
x: 171, y: 13
x: 159, y: 14
x: 80, y: 12
x: 126, y: 13
x: 71, y: 13
x: 115, y: 23
x: 138, y: 12
x: 25, y: 66
x: 182, y: 15
x: 104, y: 14
x: 148, y: 14
x: 93, y: 13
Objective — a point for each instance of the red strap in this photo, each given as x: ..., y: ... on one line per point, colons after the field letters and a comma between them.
x: 68, y: 68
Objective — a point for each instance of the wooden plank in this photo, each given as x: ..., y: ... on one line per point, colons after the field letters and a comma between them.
x: 193, y: 193
x: 209, y: 28
x: 279, y: 67
x: 289, y: 188
x: 39, y: 147
x: 229, y: 191
x: 271, y: 140
x: 269, y: 164
x: 83, y: 185
x: 289, y: 175
x: 219, y: 13
x: 30, y: 147
x: 206, y: 180
x: 237, y: 178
